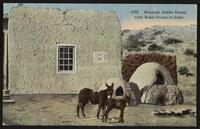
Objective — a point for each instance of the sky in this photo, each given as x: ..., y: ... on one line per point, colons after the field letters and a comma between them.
x: 127, y: 19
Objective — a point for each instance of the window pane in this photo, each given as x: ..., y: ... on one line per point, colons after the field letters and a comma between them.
x: 61, y: 62
x: 70, y: 62
x: 60, y: 67
x: 66, y: 68
x: 66, y: 50
x: 70, y: 56
x: 71, y: 50
x: 61, y: 50
x: 66, y: 62
x: 66, y: 56
x: 61, y: 55
x: 70, y: 67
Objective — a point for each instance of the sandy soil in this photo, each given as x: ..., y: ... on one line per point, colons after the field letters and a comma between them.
x: 61, y: 110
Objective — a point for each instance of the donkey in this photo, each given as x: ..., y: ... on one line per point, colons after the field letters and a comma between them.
x: 119, y: 104
x: 87, y: 95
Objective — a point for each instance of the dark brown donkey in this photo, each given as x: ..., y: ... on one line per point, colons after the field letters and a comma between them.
x: 117, y: 104
x: 87, y: 95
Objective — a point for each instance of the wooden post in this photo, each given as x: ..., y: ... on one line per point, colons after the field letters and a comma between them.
x: 6, y: 89
x: 5, y: 86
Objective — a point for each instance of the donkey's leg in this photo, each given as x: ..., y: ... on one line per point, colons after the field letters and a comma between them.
x: 98, y: 111
x: 82, y: 109
x: 121, y: 117
x: 103, y: 108
x: 77, y: 109
x: 103, y: 116
x: 106, y: 115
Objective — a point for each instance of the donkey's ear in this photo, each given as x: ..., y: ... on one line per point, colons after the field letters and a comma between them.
x: 106, y: 85
x: 112, y: 84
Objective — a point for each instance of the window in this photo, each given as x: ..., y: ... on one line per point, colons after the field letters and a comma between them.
x: 66, y: 58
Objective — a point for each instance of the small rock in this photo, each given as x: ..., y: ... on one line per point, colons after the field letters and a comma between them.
x: 156, y: 111
x: 168, y: 112
x: 162, y: 113
x: 177, y: 112
x: 186, y: 111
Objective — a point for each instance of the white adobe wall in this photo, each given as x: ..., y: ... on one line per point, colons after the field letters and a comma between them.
x: 33, y: 34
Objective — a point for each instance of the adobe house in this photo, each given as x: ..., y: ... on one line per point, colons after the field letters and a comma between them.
x: 56, y: 52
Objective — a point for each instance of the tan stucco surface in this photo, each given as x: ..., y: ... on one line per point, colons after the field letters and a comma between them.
x: 33, y: 37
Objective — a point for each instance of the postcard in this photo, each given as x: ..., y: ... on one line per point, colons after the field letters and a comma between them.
x: 102, y: 64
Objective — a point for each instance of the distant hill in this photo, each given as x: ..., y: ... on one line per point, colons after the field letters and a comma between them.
x: 166, y: 38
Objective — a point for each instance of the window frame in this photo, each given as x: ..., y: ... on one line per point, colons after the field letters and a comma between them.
x: 74, y: 59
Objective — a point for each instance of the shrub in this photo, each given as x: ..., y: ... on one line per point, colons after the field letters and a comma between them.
x: 172, y: 41
x: 155, y: 47
x: 183, y: 70
x: 158, y: 32
x: 149, y: 42
x: 143, y: 43
x: 125, y: 31
x: 152, y: 37
x: 132, y: 48
x: 133, y: 43
x: 139, y: 35
x: 188, y: 52
x: 169, y: 50
x: 195, y: 55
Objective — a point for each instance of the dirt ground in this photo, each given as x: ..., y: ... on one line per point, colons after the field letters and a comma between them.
x: 61, y: 110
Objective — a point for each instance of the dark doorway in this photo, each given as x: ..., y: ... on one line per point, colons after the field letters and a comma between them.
x: 160, y: 79
x: 119, y: 91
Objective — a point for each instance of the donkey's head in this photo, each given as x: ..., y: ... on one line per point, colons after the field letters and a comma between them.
x: 109, y: 90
